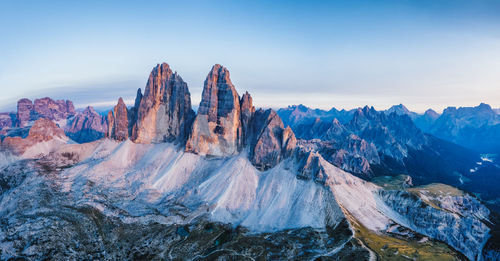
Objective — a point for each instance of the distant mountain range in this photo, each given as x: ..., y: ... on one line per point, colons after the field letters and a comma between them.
x: 158, y: 180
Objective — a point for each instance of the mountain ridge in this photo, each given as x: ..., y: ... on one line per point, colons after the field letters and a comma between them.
x: 234, y: 165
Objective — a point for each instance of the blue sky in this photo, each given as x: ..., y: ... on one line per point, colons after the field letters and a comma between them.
x: 320, y: 53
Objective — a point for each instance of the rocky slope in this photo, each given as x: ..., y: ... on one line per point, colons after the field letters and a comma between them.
x: 43, y: 136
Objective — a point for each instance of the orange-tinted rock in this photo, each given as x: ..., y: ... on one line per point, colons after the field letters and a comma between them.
x: 42, y: 130
x: 118, y: 122
x: 43, y: 108
x: 217, y: 129
x: 164, y: 112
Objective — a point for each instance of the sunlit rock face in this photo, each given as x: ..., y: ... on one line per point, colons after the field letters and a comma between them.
x: 164, y: 112
x: 87, y: 126
x: 217, y: 128
x: 43, y: 108
x: 43, y: 130
x: 118, y: 122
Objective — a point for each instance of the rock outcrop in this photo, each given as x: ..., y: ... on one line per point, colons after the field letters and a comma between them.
x: 309, y: 166
x: 164, y: 112
x: 118, y: 125
x: 270, y: 142
x: 133, y: 111
x: 217, y: 128
x: 87, y: 126
x: 226, y: 125
x: 6, y: 120
x: 25, y: 111
x: 247, y: 111
x: 43, y: 108
x: 42, y: 130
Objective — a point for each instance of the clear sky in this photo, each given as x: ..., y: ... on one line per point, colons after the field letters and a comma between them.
x: 422, y: 53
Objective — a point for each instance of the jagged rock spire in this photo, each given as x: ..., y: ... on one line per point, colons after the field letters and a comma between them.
x: 164, y: 112
x: 217, y: 129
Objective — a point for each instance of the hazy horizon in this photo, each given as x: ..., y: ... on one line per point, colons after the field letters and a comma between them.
x: 423, y: 54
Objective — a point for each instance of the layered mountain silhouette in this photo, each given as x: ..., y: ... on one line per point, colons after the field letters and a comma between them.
x: 158, y: 181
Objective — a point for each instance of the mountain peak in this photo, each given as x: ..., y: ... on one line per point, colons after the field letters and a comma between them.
x: 217, y: 127
x: 164, y: 112
x: 399, y: 109
x: 431, y: 113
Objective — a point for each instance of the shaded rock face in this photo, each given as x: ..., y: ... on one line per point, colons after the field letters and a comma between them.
x: 269, y: 142
x: 309, y: 166
x: 217, y: 128
x: 25, y: 112
x: 42, y: 130
x: 133, y: 111
x: 247, y: 111
x: 339, y: 146
x: 87, y: 126
x: 393, y: 135
x: 164, y: 113
x: 118, y: 122
x: 425, y: 121
x: 477, y: 128
x: 43, y: 108
x: 226, y: 124
x: 299, y: 115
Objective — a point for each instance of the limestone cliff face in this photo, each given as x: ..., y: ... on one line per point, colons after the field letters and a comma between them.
x: 164, y: 113
x: 43, y: 108
x: 269, y: 142
x: 247, y: 112
x: 24, y: 112
x: 118, y: 122
x: 217, y: 128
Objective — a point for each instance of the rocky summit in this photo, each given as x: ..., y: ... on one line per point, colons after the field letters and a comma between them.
x: 217, y: 129
x: 269, y: 141
x: 118, y: 122
x: 87, y: 126
x: 164, y: 112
